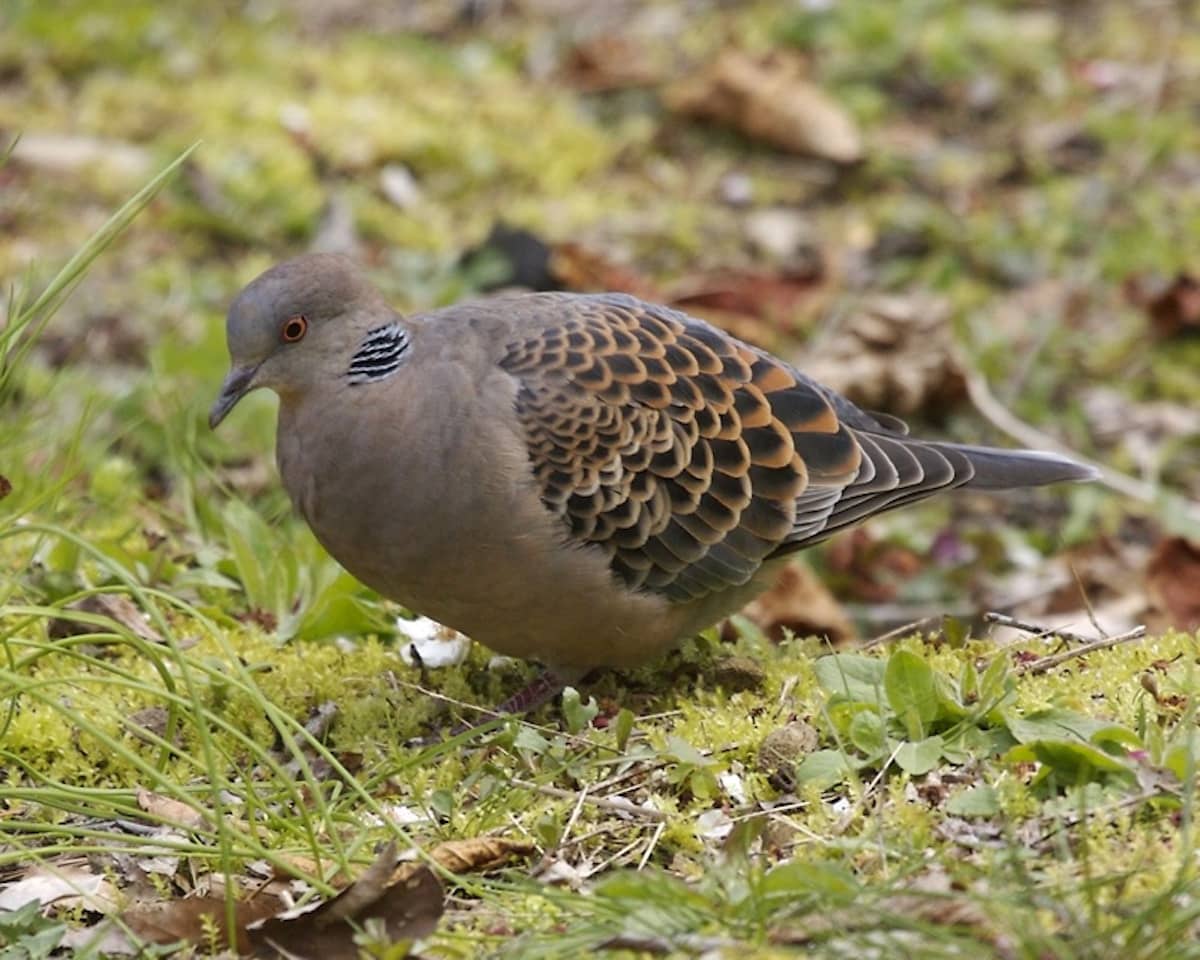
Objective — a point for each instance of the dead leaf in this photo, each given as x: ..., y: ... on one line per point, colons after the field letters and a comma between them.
x: 199, y: 920
x: 893, y: 354
x: 173, y: 812
x: 66, y: 885
x: 5, y: 486
x: 800, y: 603
x: 755, y: 306
x: 1173, y: 307
x: 581, y: 268
x: 771, y: 101
x: 608, y: 61
x: 479, y: 853
x: 870, y: 570
x: 1173, y: 581
x: 402, y: 908
x: 114, y: 606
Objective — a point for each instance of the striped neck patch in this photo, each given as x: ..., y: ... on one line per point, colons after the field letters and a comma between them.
x: 379, y: 355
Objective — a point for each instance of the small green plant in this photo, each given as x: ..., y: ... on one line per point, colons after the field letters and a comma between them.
x: 902, y: 711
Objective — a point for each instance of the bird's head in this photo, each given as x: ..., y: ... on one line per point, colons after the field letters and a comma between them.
x: 298, y: 325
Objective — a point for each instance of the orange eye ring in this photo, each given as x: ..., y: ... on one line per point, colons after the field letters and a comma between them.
x: 293, y: 329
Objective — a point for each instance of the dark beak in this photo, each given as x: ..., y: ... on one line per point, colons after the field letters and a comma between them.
x: 238, y: 383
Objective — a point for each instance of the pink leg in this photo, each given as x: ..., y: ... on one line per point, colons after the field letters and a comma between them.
x: 543, y: 688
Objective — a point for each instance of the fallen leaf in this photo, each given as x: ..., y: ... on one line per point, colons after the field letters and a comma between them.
x: 870, y: 570
x: 798, y: 602
x: 399, y: 908
x: 104, y: 939
x: 479, y: 853
x: 769, y: 100
x: 62, y: 884
x: 894, y: 354
x: 1173, y: 306
x: 199, y: 920
x: 173, y: 812
x: 114, y: 606
x: 581, y: 268
x: 1173, y: 581
x: 608, y: 61
x: 752, y: 305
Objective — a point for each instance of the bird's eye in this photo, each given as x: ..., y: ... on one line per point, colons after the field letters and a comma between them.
x: 293, y: 329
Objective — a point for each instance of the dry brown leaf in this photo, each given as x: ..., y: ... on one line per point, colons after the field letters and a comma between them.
x: 404, y: 907
x: 115, y: 606
x: 585, y: 269
x: 1173, y: 581
x: 894, y: 354
x: 609, y: 61
x: 1173, y: 307
x: 870, y: 570
x: 479, y: 853
x: 799, y: 602
x: 771, y: 101
x: 753, y: 305
x: 199, y: 920
x: 171, y: 811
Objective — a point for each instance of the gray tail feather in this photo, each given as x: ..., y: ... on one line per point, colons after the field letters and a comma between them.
x: 1000, y: 469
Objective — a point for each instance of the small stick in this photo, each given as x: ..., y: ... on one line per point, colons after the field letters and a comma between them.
x: 616, y: 804
x: 1048, y: 663
x: 1004, y: 620
x: 902, y: 630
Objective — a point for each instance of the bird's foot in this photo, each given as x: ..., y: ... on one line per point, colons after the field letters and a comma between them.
x: 543, y: 688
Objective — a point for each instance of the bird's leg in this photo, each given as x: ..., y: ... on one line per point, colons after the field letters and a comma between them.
x: 543, y: 688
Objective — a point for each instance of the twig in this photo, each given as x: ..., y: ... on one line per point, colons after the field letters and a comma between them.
x: 1038, y: 630
x: 608, y: 803
x: 902, y: 630
x: 1007, y: 422
x: 1048, y: 663
x: 649, y: 851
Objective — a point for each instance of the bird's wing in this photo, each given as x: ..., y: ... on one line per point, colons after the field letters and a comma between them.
x: 686, y: 455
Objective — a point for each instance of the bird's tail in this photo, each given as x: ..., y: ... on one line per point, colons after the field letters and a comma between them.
x: 1000, y: 469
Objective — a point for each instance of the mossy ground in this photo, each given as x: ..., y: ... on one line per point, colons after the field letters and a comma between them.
x: 968, y: 192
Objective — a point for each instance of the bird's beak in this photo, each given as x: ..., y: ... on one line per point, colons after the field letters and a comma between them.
x: 238, y: 383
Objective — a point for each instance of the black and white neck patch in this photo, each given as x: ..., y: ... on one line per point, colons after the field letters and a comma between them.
x: 379, y: 355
